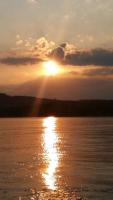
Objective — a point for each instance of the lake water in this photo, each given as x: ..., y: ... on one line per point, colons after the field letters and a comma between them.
x: 56, y: 158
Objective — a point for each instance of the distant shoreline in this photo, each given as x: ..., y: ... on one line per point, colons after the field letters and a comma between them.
x: 23, y: 106
x: 27, y: 117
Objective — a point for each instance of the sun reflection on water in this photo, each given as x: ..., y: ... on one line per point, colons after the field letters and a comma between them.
x: 50, y: 152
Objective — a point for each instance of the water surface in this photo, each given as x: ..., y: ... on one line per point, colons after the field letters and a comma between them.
x: 56, y: 158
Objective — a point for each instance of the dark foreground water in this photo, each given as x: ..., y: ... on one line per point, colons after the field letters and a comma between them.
x: 56, y: 158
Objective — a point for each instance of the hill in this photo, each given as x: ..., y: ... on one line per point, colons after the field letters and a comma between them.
x: 23, y: 106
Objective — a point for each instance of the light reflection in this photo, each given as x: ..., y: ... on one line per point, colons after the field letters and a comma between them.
x: 50, y: 151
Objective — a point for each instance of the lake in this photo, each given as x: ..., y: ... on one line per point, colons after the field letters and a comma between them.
x: 56, y: 158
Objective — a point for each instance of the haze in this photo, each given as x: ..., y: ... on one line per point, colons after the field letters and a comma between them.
x: 77, y: 34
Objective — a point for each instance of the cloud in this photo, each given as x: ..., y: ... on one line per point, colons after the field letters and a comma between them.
x: 43, y: 47
x: 19, y: 41
x: 31, y: 51
x: 69, y: 55
x: 28, y: 51
x: 40, y: 46
x: 58, y: 53
x: 95, y: 57
x: 20, y: 60
x: 99, y: 71
x: 32, y: 1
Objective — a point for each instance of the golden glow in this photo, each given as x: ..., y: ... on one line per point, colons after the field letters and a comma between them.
x: 50, y: 151
x: 51, y: 68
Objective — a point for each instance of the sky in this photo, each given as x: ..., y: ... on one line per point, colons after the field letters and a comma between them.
x: 76, y: 34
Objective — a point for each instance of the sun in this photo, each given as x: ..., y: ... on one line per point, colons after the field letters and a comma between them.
x: 51, y: 68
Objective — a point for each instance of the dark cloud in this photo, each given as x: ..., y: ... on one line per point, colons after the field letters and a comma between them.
x: 94, y: 57
x: 58, y: 53
x: 63, y: 45
x: 20, y: 60
x: 100, y: 71
x: 97, y: 57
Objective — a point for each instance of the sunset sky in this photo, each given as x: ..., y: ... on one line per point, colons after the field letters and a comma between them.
x: 77, y: 35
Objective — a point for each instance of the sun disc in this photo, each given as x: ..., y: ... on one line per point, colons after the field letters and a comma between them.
x: 51, y: 68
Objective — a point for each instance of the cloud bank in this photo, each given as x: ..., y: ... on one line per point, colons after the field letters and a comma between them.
x: 95, y: 57
x: 20, y: 60
x: 29, y: 53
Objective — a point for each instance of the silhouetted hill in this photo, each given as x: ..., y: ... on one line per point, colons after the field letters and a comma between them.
x: 22, y: 106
